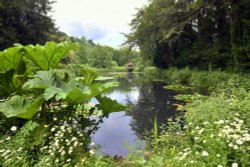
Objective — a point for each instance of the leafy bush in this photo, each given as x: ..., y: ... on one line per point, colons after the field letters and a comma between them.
x: 56, y: 121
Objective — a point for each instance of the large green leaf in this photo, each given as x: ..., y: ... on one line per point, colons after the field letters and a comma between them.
x: 19, y: 106
x: 89, y: 76
x: 86, y: 93
x: 10, y: 59
x: 49, y: 55
x: 107, y: 105
x: 76, y: 96
x: 6, y: 86
x: 42, y: 80
x: 51, y: 92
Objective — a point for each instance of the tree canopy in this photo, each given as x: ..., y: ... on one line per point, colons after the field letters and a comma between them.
x: 25, y: 22
x: 196, y: 33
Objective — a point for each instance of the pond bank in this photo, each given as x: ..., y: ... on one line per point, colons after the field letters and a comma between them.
x: 216, y: 131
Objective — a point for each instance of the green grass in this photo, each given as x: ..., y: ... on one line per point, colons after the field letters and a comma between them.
x: 216, y: 127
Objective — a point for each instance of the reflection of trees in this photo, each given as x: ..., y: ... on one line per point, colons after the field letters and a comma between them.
x: 126, y: 84
x: 153, y: 101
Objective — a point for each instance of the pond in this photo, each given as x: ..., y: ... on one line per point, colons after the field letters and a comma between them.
x: 148, y: 99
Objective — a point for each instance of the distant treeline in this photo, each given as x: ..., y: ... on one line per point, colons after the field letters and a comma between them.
x: 101, y: 56
x: 29, y: 22
x: 196, y: 33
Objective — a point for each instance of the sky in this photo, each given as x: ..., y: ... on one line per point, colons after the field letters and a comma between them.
x: 102, y: 21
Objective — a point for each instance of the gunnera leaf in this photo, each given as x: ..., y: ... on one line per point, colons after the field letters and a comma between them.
x: 19, y: 106
x: 42, y: 80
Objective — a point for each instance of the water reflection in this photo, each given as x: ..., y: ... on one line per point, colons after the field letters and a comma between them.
x: 147, y: 99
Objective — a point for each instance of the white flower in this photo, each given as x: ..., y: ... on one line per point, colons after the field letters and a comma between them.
x: 234, y: 165
x: 212, y: 135
x: 63, y: 152
x: 200, y: 131
x: 218, y: 155
x: 54, y: 118
x: 70, y: 151
x: 196, y: 138
x: 219, y: 166
x: 240, y: 121
x: 204, y: 153
x: 13, y: 128
x: 53, y: 129
x: 92, y: 143
x: 246, y: 137
x: 69, y: 129
x: 239, y: 142
x: 6, y: 153
x: 1, y: 151
x: 20, y: 149
x: 220, y: 122
x: 91, y: 152
x: 62, y: 128
x: 75, y: 143
x: 68, y: 160
x: 235, y: 147
x: 73, y: 139
x: 230, y: 145
x: 197, y: 127
x: 8, y: 138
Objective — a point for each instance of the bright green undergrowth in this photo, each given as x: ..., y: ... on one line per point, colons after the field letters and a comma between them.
x: 205, y: 79
x: 46, y: 118
x: 214, y: 130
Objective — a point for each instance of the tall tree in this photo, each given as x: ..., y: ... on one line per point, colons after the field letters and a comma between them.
x: 195, y: 33
x: 25, y: 22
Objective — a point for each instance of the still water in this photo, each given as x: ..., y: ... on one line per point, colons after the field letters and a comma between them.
x: 148, y: 99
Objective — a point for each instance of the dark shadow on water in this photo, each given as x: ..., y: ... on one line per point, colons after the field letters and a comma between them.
x: 147, y: 100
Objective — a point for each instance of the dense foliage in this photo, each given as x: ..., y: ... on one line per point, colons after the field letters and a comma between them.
x: 45, y: 115
x: 25, y: 22
x: 214, y: 131
x: 100, y: 56
x: 202, y: 33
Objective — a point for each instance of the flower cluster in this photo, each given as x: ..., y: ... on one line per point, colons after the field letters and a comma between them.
x: 215, y: 141
x: 234, y: 132
x: 183, y: 154
x: 64, y: 141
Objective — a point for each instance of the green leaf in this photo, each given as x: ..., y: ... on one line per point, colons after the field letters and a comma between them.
x: 107, y: 105
x: 49, y: 55
x: 10, y: 59
x: 75, y: 96
x: 97, y: 89
x: 6, y: 86
x: 42, y: 80
x: 89, y: 76
x: 19, y: 106
x: 51, y: 92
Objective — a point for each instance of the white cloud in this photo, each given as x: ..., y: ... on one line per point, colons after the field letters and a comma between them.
x: 99, y: 20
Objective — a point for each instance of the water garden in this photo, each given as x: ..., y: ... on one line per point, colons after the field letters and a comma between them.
x: 52, y: 115
x: 176, y: 93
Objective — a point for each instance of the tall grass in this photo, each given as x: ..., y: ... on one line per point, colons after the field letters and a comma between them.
x: 206, y: 79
